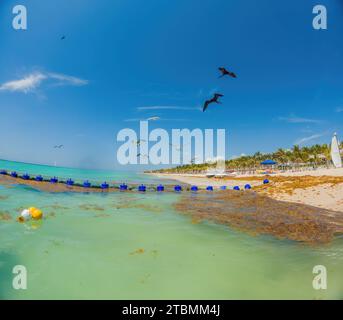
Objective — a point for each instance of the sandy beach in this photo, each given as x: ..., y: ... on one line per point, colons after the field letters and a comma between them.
x: 322, y: 188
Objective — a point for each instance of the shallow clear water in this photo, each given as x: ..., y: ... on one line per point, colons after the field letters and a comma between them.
x: 78, y: 175
x: 135, y: 246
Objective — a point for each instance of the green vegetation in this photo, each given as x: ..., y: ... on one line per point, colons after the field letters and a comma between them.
x: 317, y: 155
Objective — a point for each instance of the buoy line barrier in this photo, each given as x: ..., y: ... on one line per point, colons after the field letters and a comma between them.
x: 122, y: 186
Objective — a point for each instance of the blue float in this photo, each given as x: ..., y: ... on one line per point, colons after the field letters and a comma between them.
x: 4, y: 172
x: 194, y: 188
x: 209, y: 188
x: 26, y: 176
x: 123, y: 187
x: 237, y: 188
x: 266, y: 181
x: 223, y: 188
x: 53, y: 180
x: 105, y: 186
x: 70, y: 182
x: 87, y: 184
x: 160, y: 188
x: 14, y: 174
x: 39, y: 178
x: 178, y: 188
x: 142, y: 188
x: 247, y: 187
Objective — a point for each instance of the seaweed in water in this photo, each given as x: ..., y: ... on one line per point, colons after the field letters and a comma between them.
x: 257, y: 215
x: 138, y: 251
x: 5, y: 216
x: 91, y: 207
x: 135, y: 205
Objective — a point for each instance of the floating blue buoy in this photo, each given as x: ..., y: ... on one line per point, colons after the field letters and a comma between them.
x: 87, y: 184
x: 266, y: 181
x: 178, y: 188
x: 26, y: 176
x: 160, y: 188
x: 39, y: 178
x: 223, y: 188
x: 142, y: 188
x: 14, y: 174
x: 105, y: 185
x: 209, y: 188
x: 123, y: 187
x: 194, y: 188
x: 247, y: 187
x: 54, y: 180
x: 237, y: 188
x: 4, y: 172
x: 70, y: 182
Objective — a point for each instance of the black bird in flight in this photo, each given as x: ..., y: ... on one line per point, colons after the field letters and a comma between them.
x: 226, y: 73
x: 215, y: 98
x: 58, y: 147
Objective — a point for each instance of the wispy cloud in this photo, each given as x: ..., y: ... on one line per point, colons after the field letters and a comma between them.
x: 155, y: 119
x: 26, y: 84
x: 339, y: 109
x: 33, y: 81
x: 165, y: 108
x: 68, y: 80
x: 294, y: 119
x: 309, y: 138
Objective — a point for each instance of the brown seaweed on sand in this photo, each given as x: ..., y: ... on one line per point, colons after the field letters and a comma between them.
x: 258, y: 214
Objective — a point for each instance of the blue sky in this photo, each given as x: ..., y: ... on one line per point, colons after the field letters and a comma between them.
x: 120, y: 58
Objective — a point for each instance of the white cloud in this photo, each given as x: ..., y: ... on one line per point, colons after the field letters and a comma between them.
x: 309, y: 138
x: 165, y: 108
x: 155, y: 119
x: 67, y: 80
x: 26, y: 84
x: 294, y: 119
x: 236, y: 157
x: 133, y: 120
x: 214, y: 159
x: 339, y: 109
x: 34, y: 80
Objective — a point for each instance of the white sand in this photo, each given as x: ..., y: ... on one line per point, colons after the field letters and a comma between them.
x: 315, y: 173
x: 322, y: 196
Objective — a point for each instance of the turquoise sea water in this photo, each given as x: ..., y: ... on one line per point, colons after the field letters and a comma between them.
x: 78, y: 175
x: 136, y: 246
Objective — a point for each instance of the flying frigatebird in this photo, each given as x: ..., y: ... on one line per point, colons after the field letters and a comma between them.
x: 226, y: 72
x: 215, y: 98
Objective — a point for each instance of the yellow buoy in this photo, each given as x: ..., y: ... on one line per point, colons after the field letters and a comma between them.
x: 36, y: 214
